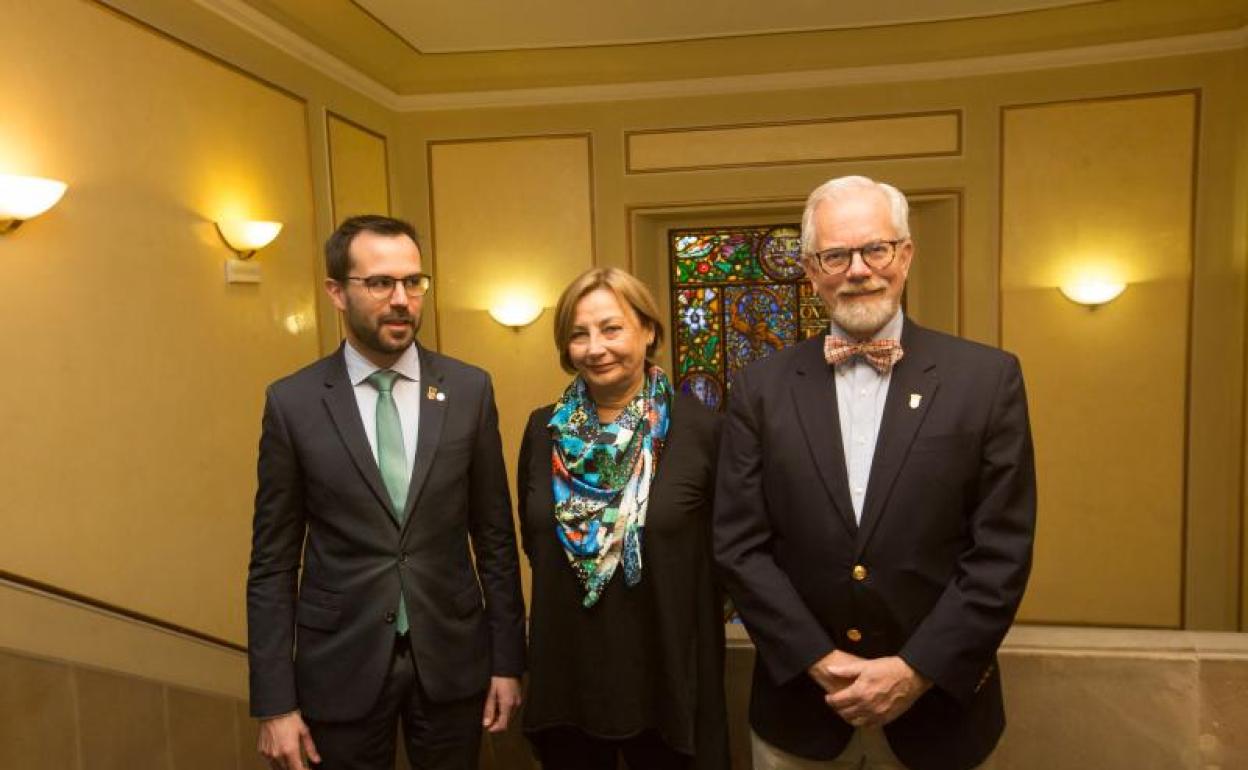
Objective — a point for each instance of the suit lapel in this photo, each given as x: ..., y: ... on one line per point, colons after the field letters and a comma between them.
x: 344, y: 411
x: 814, y: 395
x: 910, y: 392
x: 429, y: 430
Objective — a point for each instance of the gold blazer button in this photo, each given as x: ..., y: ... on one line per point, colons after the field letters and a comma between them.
x: 859, y: 572
x: 853, y: 635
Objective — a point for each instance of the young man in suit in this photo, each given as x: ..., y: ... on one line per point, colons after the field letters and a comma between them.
x: 874, y: 514
x: 382, y: 517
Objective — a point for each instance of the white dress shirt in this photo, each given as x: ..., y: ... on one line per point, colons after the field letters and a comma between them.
x: 406, y: 397
x: 860, y: 395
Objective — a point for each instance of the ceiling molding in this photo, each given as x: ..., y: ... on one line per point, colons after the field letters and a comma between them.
x: 481, y: 26
x: 273, y: 32
x: 848, y: 76
x: 280, y: 37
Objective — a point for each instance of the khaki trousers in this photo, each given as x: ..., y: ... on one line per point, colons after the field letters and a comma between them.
x: 868, y: 749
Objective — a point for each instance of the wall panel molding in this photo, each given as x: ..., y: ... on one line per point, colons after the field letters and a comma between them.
x: 821, y: 140
x: 1055, y: 218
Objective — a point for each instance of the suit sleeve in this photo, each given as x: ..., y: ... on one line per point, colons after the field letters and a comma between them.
x: 494, y: 542
x: 787, y: 635
x: 956, y: 644
x: 278, y: 530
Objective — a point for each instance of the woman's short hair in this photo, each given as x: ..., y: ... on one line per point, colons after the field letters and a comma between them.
x: 626, y: 288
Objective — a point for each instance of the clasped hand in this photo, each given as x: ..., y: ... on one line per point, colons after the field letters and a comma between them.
x: 867, y: 692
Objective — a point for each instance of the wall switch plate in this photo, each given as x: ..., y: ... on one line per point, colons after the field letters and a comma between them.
x: 238, y: 271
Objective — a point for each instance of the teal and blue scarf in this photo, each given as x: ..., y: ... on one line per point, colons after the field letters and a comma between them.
x: 602, y: 476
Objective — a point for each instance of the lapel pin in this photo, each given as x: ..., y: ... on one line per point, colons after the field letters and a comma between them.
x: 433, y: 394
x: 915, y: 400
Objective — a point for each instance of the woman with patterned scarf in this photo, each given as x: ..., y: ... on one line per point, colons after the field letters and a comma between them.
x: 626, y: 639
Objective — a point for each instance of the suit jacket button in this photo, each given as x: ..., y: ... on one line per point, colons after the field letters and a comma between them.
x: 853, y: 635
x: 859, y: 572
x: 389, y: 617
x: 402, y: 558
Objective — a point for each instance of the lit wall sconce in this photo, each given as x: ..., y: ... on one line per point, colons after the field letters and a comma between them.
x: 245, y: 238
x: 26, y: 197
x: 516, y: 312
x: 1092, y: 292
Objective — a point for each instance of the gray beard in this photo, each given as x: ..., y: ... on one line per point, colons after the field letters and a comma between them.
x: 863, y: 319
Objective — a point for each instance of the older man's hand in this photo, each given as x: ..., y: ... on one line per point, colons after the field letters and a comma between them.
x: 823, y: 670
x: 880, y: 690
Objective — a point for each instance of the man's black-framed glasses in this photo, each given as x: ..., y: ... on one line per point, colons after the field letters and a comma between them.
x: 876, y: 254
x: 382, y: 286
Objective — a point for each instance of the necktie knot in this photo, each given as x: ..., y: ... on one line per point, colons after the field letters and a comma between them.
x: 383, y: 380
x: 882, y: 355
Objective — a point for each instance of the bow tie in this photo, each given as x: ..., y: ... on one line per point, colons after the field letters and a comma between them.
x: 880, y: 354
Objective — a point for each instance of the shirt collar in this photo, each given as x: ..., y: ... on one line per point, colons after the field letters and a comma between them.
x: 889, y: 331
x: 359, y: 368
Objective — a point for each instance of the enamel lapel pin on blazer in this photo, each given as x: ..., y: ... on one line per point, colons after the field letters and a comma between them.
x: 915, y: 400
x: 433, y: 394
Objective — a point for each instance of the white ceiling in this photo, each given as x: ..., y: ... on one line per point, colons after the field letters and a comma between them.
x: 453, y: 26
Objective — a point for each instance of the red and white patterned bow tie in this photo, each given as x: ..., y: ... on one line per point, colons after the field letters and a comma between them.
x: 880, y: 354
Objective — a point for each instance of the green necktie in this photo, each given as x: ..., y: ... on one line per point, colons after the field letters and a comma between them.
x: 391, y: 459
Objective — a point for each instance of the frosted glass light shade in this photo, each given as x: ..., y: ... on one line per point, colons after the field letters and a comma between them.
x: 248, y: 236
x: 516, y: 312
x: 1092, y: 292
x: 26, y: 197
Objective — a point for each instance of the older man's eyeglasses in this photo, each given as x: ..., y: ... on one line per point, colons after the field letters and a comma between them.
x: 382, y: 286
x: 876, y: 254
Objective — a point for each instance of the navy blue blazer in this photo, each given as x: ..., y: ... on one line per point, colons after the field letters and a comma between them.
x: 944, y: 545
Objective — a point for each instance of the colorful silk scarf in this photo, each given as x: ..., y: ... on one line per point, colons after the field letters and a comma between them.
x: 602, y: 476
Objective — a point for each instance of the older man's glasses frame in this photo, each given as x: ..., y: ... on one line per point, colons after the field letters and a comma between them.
x: 877, y: 255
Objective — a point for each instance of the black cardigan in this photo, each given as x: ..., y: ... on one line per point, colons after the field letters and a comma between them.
x: 646, y: 657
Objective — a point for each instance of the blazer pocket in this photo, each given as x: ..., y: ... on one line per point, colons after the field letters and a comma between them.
x: 467, y: 601
x: 315, y: 616
x: 321, y: 597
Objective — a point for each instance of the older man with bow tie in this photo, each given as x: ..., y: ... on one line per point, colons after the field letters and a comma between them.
x: 874, y: 515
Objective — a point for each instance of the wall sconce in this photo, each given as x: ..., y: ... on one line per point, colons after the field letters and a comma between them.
x: 516, y: 312
x: 1092, y: 292
x: 246, y: 237
x: 26, y: 197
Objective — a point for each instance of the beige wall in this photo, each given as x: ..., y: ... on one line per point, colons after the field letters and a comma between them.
x: 358, y: 170
x: 141, y: 370
x: 1103, y: 189
x: 132, y: 404
x: 511, y: 218
x: 632, y: 212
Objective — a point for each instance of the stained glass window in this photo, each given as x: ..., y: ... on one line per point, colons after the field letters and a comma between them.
x: 737, y: 295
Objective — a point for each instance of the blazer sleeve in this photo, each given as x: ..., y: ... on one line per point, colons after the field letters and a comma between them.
x: 788, y: 637
x: 955, y: 645
x: 494, y: 542
x: 278, y: 530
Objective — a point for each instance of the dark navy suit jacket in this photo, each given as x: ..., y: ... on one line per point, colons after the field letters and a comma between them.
x: 321, y: 639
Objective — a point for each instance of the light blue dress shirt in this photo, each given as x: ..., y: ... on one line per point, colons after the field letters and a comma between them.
x: 860, y: 395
